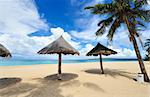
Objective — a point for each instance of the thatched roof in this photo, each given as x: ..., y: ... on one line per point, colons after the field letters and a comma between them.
x: 59, y: 46
x: 100, y: 49
x: 4, y: 52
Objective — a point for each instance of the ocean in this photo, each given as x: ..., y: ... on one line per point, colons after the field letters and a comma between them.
x: 19, y: 62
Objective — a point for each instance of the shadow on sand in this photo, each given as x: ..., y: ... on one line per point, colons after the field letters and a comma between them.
x: 64, y: 77
x: 113, y: 73
x: 6, y: 82
x: 45, y: 87
x: 50, y: 85
x: 16, y: 90
x: 93, y: 86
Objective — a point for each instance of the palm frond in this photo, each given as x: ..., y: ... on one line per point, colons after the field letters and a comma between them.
x: 147, y: 43
x: 101, y: 8
x: 148, y: 40
x: 107, y: 21
x: 148, y: 50
x: 139, y: 3
x: 113, y: 28
x: 89, y: 7
x: 137, y: 24
x: 141, y: 24
x: 104, y: 23
x: 132, y: 9
x: 140, y: 40
x: 143, y: 14
x: 101, y: 30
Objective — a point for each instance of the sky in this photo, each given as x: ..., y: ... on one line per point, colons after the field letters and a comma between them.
x: 26, y: 26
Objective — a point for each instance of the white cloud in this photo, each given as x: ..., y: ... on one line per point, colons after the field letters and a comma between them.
x: 18, y: 18
x: 86, y: 49
x: 57, y: 32
x: 89, y: 28
x: 123, y: 53
x: 148, y: 2
x: 121, y: 42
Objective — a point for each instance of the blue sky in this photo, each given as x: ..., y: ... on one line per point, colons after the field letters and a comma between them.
x: 58, y: 13
x: 30, y: 25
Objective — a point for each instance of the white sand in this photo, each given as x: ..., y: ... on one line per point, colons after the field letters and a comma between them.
x: 86, y: 81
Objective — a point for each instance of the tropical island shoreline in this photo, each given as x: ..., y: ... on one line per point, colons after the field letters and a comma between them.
x: 26, y: 62
x: 82, y: 80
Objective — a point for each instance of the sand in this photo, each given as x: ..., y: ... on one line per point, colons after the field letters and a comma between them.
x: 78, y: 80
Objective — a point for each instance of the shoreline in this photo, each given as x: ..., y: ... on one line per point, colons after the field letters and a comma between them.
x: 70, y: 62
x: 82, y: 80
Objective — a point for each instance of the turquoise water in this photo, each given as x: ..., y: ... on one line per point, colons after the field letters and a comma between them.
x: 12, y: 62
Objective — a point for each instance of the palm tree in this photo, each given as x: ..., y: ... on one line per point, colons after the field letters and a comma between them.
x: 128, y: 12
x: 147, y: 46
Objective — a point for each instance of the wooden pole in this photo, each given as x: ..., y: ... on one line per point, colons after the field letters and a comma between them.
x: 59, y: 67
x: 101, y: 65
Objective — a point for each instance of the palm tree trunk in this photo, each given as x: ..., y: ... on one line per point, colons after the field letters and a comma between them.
x: 142, y: 67
x: 101, y: 64
x: 133, y: 39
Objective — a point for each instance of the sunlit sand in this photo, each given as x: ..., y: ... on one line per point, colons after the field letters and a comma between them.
x: 78, y: 80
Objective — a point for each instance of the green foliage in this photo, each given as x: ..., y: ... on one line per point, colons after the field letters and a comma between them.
x: 147, y: 46
x: 147, y: 58
x: 120, y: 9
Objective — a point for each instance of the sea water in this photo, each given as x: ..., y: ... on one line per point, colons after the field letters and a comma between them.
x: 22, y: 62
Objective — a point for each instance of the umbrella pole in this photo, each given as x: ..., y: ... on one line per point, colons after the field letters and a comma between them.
x: 101, y: 65
x: 59, y: 67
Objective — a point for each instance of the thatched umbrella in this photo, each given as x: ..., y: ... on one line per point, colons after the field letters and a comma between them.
x: 59, y: 46
x: 101, y: 50
x: 4, y: 52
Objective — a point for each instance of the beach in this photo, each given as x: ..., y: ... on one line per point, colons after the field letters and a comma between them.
x: 78, y: 80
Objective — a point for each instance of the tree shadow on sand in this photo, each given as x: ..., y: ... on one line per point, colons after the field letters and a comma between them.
x: 6, y: 82
x: 45, y: 87
x: 17, y: 89
x: 113, y: 73
x: 50, y: 85
x: 12, y: 87
x: 93, y: 86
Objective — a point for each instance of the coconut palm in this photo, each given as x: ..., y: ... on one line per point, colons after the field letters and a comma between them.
x: 128, y: 12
